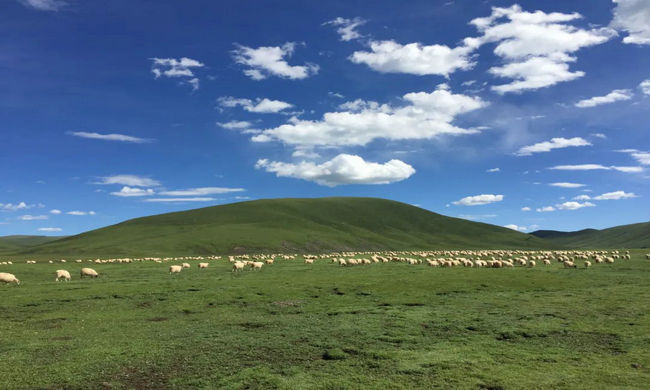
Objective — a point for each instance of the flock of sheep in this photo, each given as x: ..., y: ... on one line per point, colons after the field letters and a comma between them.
x: 464, y: 258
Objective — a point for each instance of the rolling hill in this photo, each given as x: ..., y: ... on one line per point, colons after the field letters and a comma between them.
x: 626, y: 236
x: 289, y: 225
x: 18, y: 242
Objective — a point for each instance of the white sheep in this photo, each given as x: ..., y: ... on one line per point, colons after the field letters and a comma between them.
x: 175, y: 269
x: 269, y: 261
x: 237, y: 266
x: 62, y: 274
x: 587, y: 263
x: 309, y: 261
x: 8, y: 278
x: 186, y: 265
x: 89, y: 272
x: 257, y: 265
x: 203, y: 265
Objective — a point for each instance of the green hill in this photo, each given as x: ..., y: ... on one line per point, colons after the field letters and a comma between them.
x: 626, y: 236
x: 289, y: 225
x: 18, y: 242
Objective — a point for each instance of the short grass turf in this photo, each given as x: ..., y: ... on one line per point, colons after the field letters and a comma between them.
x: 294, y: 326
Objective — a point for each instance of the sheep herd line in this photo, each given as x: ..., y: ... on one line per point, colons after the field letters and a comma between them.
x: 464, y: 258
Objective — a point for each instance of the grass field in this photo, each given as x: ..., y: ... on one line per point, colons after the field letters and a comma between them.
x: 322, y: 326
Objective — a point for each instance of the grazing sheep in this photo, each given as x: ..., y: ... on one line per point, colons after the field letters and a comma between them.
x: 531, y: 263
x: 186, y: 265
x: 89, y: 272
x: 62, y: 274
x: 309, y: 261
x: 547, y: 262
x: 257, y: 265
x: 587, y: 263
x: 203, y: 265
x: 570, y: 264
x: 237, y: 266
x: 269, y: 261
x: 342, y: 262
x: 175, y: 269
x: 8, y: 278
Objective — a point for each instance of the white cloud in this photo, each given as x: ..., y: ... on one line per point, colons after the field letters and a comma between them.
x: 567, y: 185
x: 554, y: 143
x: 346, y: 28
x: 633, y: 16
x: 342, y: 169
x: 645, y: 87
x: 55, y: 211
x: 414, y: 58
x: 614, y: 96
x: 127, y: 191
x: 179, y: 200
x: 129, y: 180
x: 642, y: 157
x: 478, y: 200
x: 493, y: 170
x: 235, y: 125
x: 110, y: 137
x: 32, y: 217
x: 535, y: 45
x: 525, y: 208
x: 598, y: 135
x: 201, y: 191
x: 424, y: 116
x: 44, y: 5
x: 14, y: 207
x: 49, y: 229
x: 616, y: 195
x: 173, y: 68
x: 582, y: 197
x: 516, y: 227
x: 260, y: 106
x: 546, y: 209
x: 268, y: 61
x: 80, y: 213
x: 573, y: 205
x: 592, y: 167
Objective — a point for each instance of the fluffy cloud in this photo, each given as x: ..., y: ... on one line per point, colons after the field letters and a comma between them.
x: 424, y: 116
x: 182, y: 68
x: 493, y: 170
x: 478, y: 200
x: 526, y: 208
x: 260, y: 106
x: 49, y: 229
x: 582, y: 197
x: 127, y: 191
x: 110, y: 137
x: 645, y: 87
x: 614, y: 96
x: 342, y: 169
x: 14, y: 207
x: 545, y: 209
x: 201, y: 191
x: 616, y: 195
x: 235, y: 125
x: 592, y: 167
x: 347, y: 28
x: 516, y: 227
x: 414, y: 58
x: 32, y: 217
x: 55, y: 211
x: 573, y: 205
x: 554, y: 143
x: 129, y: 180
x: 567, y: 185
x: 633, y: 16
x: 44, y: 5
x: 266, y: 61
x: 179, y: 200
x: 535, y: 45
x: 80, y: 213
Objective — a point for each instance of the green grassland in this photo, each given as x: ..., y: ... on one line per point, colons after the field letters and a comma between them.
x: 626, y: 236
x: 289, y: 225
x: 292, y: 326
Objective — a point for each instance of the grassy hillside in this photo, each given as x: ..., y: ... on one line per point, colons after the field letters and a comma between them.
x: 289, y: 225
x: 626, y: 236
x: 18, y: 242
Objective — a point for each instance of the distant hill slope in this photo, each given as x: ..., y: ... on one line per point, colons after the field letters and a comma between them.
x: 18, y: 242
x: 286, y: 225
x: 626, y: 236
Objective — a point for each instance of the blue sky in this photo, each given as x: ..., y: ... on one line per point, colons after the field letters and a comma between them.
x: 531, y: 114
